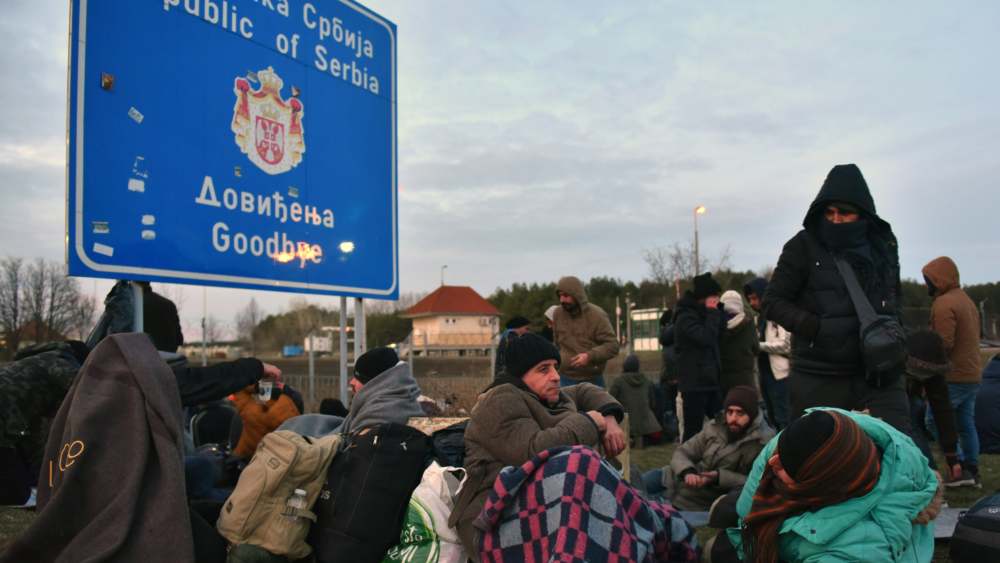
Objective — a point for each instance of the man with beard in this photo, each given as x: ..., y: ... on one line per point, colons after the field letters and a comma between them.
x: 583, y: 335
x: 808, y: 297
x: 717, y: 459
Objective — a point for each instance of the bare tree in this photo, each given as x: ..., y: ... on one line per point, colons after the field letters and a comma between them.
x: 213, y: 330
x: 50, y: 298
x: 676, y: 261
x: 11, y: 310
x: 175, y: 293
x: 246, y: 322
x: 83, y: 316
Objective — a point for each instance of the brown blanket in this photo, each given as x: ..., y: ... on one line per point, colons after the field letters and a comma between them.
x: 112, y: 481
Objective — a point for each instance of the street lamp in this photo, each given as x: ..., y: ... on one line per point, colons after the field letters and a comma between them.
x: 697, y: 211
x: 442, y: 273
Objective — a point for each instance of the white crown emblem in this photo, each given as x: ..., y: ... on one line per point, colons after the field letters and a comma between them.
x: 268, y: 128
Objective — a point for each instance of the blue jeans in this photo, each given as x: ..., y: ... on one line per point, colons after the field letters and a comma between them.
x: 963, y: 402
x: 775, y: 393
x: 652, y: 482
x: 566, y: 381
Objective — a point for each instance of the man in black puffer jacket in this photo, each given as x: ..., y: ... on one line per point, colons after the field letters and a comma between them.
x: 697, y: 324
x: 808, y: 296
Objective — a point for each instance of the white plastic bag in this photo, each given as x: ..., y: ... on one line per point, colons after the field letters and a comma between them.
x: 426, y: 537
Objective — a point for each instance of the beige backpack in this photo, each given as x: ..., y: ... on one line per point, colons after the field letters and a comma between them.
x: 256, y: 511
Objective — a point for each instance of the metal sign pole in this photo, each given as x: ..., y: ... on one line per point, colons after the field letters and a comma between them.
x: 360, y: 342
x: 312, y: 369
x: 136, y: 307
x: 343, y: 350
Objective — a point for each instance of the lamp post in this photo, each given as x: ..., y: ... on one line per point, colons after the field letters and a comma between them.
x: 442, y: 273
x: 697, y: 264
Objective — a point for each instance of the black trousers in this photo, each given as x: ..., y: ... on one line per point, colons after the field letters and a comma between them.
x: 698, y: 405
x: 889, y: 403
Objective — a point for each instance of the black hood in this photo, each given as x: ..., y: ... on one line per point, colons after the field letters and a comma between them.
x: 845, y: 184
x: 757, y: 286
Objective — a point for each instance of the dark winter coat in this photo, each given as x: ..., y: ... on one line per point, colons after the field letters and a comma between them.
x: 988, y: 409
x: 199, y: 384
x: 738, y: 346
x: 509, y: 425
x: 635, y: 392
x: 808, y: 296
x: 669, y: 371
x: 696, y: 341
x: 160, y: 320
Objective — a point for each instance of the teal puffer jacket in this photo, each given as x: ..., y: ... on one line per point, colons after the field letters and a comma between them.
x: 874, y: 528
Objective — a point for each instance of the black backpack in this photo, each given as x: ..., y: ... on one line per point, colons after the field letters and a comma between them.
x: 361, y: 508
x: 977, y: 534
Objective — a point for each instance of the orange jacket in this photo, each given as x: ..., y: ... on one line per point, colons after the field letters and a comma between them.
x: 955, y: 318
x: 260, y: 419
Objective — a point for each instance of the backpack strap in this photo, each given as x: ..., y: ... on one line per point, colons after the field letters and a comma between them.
x: 866, y: 314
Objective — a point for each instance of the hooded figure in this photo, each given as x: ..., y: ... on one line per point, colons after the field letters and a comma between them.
x: 837, y: 486
x: 808, y: 296
x: 583, y: 334
x: 739, y: 345
x: 635, y: 392
x: 955, y: 318
x: 112, y: 486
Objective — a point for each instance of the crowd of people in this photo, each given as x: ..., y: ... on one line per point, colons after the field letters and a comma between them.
x: 796, y: 441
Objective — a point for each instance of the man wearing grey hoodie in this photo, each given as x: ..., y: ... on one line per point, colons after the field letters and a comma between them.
x: 384, y: 391
x: 583, y: 335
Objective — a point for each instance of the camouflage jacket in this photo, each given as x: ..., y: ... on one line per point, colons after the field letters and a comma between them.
x: 31, y: 389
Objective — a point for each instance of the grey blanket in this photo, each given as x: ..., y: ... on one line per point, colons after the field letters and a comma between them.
x: 390, y: 397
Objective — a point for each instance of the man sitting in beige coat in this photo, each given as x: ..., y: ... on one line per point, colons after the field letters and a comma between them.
x: 717, y: 459
x: 583, y: 335
x: 523, y: 412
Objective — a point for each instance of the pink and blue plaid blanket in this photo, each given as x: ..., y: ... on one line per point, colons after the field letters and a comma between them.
x: 568, y: 504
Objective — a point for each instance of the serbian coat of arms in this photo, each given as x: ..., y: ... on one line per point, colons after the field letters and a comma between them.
x: 268, y: 128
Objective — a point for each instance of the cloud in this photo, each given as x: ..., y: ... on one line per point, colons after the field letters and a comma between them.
x: 538, y: 140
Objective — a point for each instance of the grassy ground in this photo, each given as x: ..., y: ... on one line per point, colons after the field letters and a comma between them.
x: 961, y: 497
x: 14, y: 521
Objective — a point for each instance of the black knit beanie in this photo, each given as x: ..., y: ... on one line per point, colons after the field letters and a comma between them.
x: 517, y: 322
x: 631, y: 364
x: 374, y: 362
x: 705, y: 285
x: 526, y: 351
x: 745, y: 397
x: 803, y: 437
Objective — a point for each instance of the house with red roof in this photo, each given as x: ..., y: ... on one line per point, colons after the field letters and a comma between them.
x: 453, y: 320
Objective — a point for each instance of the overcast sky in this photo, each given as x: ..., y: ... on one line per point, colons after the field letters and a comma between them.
x: 544, y: 139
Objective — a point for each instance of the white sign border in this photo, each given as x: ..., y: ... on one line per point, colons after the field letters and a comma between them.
x: 257, y: 282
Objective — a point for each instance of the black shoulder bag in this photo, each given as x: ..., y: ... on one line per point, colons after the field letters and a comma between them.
x: 883, y: 340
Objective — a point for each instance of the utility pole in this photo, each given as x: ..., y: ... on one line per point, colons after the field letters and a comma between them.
x: 697, y: 263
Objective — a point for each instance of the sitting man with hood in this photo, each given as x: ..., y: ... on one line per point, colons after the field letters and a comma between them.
x: 836, y: 486
x: 384, y: 391
x: 717, y: 459
x: 522, y: 413
x: 636, y: 394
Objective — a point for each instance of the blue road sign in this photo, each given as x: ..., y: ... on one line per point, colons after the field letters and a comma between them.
x: 242, y: 143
